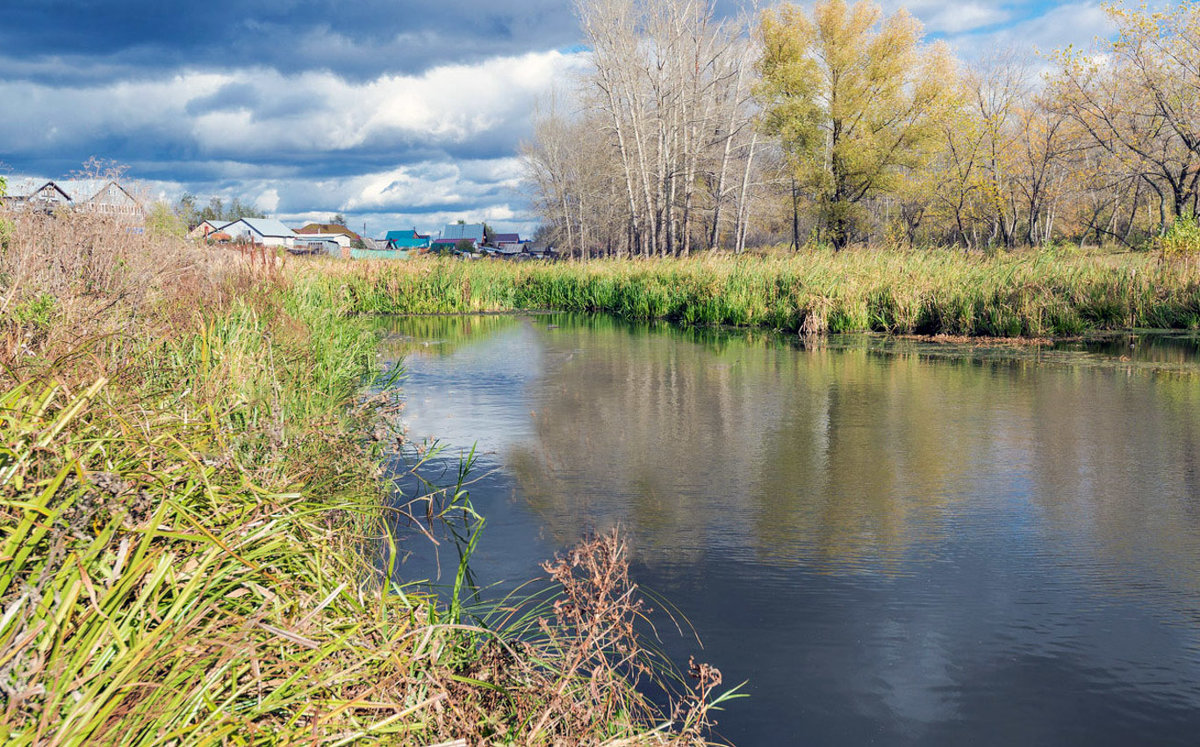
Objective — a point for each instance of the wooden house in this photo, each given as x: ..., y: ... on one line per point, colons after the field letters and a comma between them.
x: 99, y: 196
x: 103, y: 197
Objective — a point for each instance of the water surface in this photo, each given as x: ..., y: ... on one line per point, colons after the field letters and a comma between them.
x: 892, y: 542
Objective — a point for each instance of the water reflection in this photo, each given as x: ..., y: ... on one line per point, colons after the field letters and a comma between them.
x: 893, y: 541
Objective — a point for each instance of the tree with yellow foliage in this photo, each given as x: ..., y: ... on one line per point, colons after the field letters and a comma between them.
x: 855, y: 98
x: 1138, y: 99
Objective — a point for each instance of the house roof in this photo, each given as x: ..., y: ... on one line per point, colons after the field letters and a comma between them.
x: 458, y: 231
x: 407, y: 243
x: 206, y: 228
x: 83, y: 189
x: 327, y: 228
x: 75, y: 190
x: 264, y: 226
x: 450, y: 241
x: 507, y: 238
x: 25, y: 188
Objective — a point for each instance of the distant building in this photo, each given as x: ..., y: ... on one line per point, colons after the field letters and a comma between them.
x: 31, y: 194
x: 265, y: 231
x: 329, y: 228
x: 206, y: 229
x: 507, y: 243
x: 100, y: 196
x: 408, y: 239
x: 320, y: 244
x: 456, y: 232
x: 340, y: 239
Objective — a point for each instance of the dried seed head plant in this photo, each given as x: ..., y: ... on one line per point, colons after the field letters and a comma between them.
x: 574, y: 666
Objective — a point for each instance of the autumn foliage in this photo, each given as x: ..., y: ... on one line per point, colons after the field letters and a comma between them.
x: 840, y: 124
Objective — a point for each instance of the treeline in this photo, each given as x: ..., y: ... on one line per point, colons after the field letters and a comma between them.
x: 165, y: 219
x: 192, y: 215
x: 842, y: 125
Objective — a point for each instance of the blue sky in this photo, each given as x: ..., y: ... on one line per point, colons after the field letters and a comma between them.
x: 393, y: 112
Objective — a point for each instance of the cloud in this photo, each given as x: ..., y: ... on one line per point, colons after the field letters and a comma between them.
x: 263, y: 116
x: 389, y: 110
x: 959, y: 17
x: 268, y: 201
x: 441, y: 140
x: 424, y: 195
x: 229, y: 97
x: 1078, y: 24
x: 58, y: 41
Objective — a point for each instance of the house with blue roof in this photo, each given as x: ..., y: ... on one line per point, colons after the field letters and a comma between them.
x: 456, y: 232
x: 408, y: 239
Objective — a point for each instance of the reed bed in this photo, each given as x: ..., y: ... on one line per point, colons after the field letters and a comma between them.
x: 1039, y: 293
x: 186, y: 491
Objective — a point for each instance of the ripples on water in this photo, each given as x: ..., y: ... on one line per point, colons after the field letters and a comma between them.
x: 894, y: 542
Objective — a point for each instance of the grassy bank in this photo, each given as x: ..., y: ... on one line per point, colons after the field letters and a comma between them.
x: 1033, y: 294
x: 186, y: 491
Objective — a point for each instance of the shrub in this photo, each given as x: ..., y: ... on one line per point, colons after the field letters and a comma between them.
x: 1181, y: 241
x: 36, y: 311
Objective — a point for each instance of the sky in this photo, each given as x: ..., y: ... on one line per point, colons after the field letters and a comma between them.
x: 394, y: 113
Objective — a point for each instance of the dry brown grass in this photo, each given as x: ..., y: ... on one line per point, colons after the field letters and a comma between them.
x: 80, y: 287
x: 184, y: 498
x: 74, y: 286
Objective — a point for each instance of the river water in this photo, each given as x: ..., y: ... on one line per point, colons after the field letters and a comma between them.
x: 892, y: 542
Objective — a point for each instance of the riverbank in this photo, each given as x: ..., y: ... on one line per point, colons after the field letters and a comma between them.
x: 186, y: 491
x: 1042, y: 293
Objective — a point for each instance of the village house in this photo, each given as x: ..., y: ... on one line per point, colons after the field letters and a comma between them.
x: 331, y: 244
x: 507, y: 243
x: 408, y: 239
x: 265, y: 231
x: 337, y: 239
x: 453, y: 233
x: 207, y: 229
x: 326, y: 229
x: 100, y: 196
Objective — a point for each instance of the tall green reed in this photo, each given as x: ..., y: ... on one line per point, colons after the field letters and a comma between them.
x: 935, y: 292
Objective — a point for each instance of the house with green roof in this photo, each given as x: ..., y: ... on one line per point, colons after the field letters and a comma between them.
x: 408, y: 239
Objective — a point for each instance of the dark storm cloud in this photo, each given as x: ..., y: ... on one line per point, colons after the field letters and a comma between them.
x: 60, y: 42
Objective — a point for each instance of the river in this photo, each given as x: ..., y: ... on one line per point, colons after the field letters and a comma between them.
x: 892, y: 542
